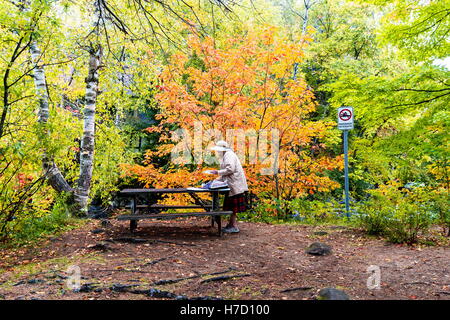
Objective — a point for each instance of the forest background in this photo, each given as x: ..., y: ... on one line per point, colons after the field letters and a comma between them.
x: 92, y: 92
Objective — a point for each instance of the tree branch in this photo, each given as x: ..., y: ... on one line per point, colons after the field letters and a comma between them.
x: 420, y: 102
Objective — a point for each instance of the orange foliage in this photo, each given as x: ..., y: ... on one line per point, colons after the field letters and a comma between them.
x: 246, y: 83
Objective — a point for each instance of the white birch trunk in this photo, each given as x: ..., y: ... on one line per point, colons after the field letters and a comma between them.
x: 88, y: 139
x: 51, y: 171
x: 306, y: 16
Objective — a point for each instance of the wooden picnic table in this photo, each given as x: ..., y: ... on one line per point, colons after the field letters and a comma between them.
x: 138, y: 210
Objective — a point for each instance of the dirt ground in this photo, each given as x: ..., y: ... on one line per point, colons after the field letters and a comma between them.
x: 261, y: 262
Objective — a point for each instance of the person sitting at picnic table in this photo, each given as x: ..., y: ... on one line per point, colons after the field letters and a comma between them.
x: 231, y: 172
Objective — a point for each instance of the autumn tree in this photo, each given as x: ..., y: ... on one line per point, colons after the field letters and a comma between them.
x: 243, y: 83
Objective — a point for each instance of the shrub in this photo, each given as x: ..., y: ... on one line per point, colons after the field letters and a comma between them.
x: 32, y: 226
x: 398, y: 213
x: 265, y: 210
x: 438, y: 200
x: 302, y: 210
x: 408, y: 221
x: 373, y: 216
x: 313, y: 211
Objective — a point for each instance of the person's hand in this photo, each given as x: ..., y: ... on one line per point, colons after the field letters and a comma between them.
x: 214, y: 172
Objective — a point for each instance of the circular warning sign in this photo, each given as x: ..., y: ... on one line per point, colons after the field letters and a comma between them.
x: 345, y: 114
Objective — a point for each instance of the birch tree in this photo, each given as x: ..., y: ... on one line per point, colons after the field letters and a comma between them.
x: 88, y: 139
x: 105, y: 19
x: 51, y: 171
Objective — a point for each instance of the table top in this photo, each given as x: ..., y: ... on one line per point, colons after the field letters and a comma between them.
x: 170, y: 190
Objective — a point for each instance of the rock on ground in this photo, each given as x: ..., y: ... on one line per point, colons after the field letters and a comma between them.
x: 332, y: 294
x: 319, y: 249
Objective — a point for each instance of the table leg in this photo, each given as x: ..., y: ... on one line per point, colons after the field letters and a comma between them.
x: 133, y: 223
x: 215, y: 205
x: 215, y: 201
x: 219, y: 224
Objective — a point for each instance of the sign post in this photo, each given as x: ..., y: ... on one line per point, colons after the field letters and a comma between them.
x: 345, y: 123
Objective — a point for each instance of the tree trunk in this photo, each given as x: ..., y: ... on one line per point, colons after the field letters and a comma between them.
x: 88, y: 139
x: 51, y: 171
x: 306, y: 16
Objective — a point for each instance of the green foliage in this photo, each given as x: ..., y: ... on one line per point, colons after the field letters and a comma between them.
x: 399, y: 96
x: 344, y: 43
x: 110, y: 151
x: 263, y: 211
x: 409, y: 220
x: 418, y: 28
x: 439, y: 204
x: 297, y: 210
x: 314, y: 211
x: 29, y: 226
x: 397, y: 213
x: 374, y: 55
x: 21, y: 183
x: 373, y: 216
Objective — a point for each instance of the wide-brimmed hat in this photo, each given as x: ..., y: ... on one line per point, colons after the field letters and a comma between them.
x: 221, y: 146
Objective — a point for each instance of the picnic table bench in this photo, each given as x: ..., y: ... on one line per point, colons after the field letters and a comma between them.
x: 147, y: 210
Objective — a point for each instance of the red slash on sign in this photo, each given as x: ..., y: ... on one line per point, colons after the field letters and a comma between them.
x: 345, y: 114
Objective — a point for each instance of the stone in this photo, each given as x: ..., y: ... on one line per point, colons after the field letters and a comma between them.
x: 332, y: 294
x: 318, y: 249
